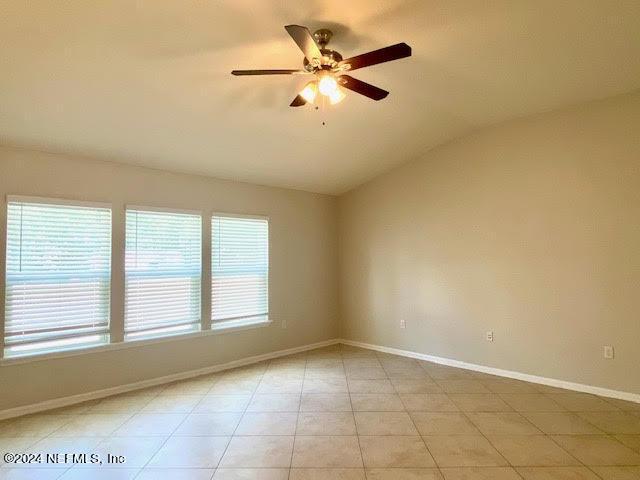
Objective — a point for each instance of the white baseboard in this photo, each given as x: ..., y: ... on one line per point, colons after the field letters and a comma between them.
x: 553, y: 382
x: 97, y: 394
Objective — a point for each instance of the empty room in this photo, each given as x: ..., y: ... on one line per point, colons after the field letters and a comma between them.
x: 320, y: 240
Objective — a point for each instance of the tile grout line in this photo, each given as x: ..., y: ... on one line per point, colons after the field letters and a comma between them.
x: 412, y: 421
x: 464, y: 414
x: 295, y: 432
x: 172, y: 432
x: 244, y: 411
x: 50, y: 434
x: 543, y: 434
x: 513, y: 467
x: 421, y: 436
x: 575, y: 413
x: 353, y: 414
x: 87, y: 412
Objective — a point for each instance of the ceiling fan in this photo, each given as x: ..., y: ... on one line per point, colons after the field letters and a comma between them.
x: 330, y: 69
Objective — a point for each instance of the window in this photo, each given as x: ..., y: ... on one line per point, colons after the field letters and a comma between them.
x: 162, y: 273
x: 239, y: 270
x: 58, y: 276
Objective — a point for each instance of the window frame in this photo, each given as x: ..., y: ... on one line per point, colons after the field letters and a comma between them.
x: 53, y: 201
x: 115, y: 338
x: 250, y: 322
x: 115, y: 346
x: 153, y: 209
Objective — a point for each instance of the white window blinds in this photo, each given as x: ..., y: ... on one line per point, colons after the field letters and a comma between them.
x: 162, y: 273
x: 58, y: 277
x: 239, y: 269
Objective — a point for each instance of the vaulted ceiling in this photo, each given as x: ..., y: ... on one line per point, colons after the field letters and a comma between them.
x: 148, y: 82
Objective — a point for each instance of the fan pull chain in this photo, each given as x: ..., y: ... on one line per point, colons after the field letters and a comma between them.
x: 323, y: 110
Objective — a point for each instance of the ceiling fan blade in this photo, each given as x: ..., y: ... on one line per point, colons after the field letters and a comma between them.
x: 298, y: 101
x: 303, y: 38
x: 268, y: 72
x: 362, y: 88
x: 386, y: 54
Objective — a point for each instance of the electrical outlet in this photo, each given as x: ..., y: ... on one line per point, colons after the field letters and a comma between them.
x: 283, y: 324
x: 489, y: 336
x: 608, y: 352
x: 403, y: 323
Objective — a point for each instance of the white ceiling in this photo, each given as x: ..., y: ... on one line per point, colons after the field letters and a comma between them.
x: 148, y: 83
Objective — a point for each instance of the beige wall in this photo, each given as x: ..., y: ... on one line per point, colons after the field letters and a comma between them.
x: 303, y: 269
x: 530, y: 229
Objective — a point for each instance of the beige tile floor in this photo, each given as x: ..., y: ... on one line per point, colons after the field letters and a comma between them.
x: 337, y: 413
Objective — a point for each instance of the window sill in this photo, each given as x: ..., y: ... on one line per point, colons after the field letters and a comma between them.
x: 241, y: 324
x: 228, y: 327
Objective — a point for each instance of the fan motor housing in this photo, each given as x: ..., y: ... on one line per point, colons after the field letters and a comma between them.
x: 328, y: 61
x: 330, y: 58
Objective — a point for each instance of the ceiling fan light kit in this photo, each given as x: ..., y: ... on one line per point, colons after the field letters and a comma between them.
x: 330, y: 68
x: 309, y: 92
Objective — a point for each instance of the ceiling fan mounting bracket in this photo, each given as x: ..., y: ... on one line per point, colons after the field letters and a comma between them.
x: 322, y: 37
